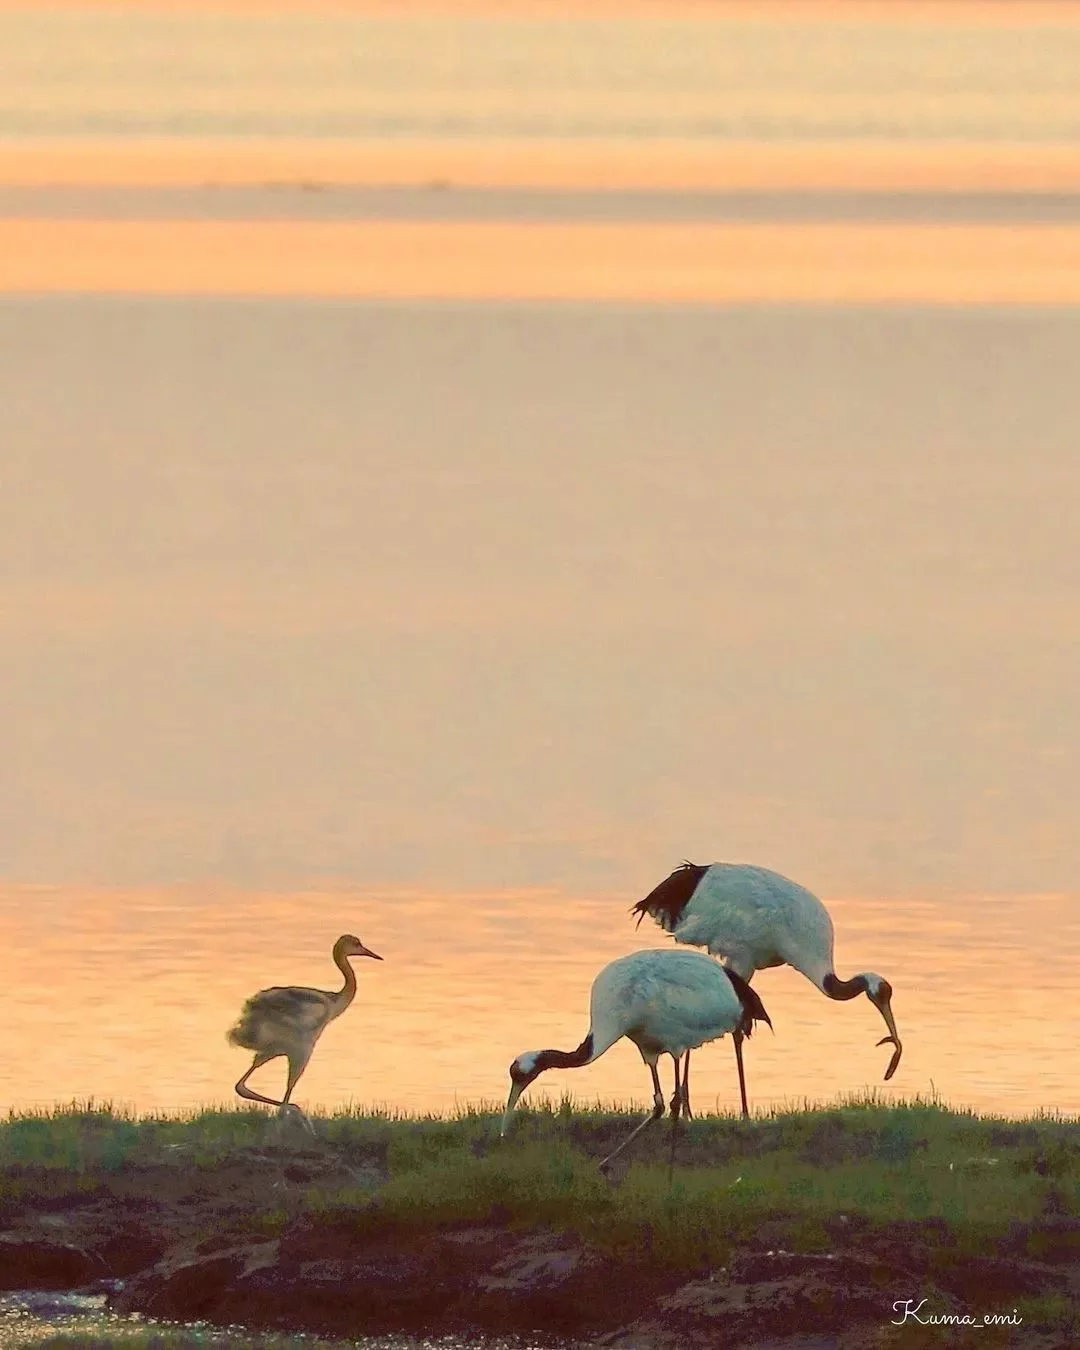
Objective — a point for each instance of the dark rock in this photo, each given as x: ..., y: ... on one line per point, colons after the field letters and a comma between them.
x: 187, y: 1290
x: 557, y: 1283
x: 766, y: 1298
x: 380, y: 1283
x: 382, y: 1293
x: 343, y: 1275
x: 303, y: 1285
x: 969, y: 1278
x: 332, y: 1233
x: 130, y: 1249
x: 45, y: 1263
x: 540, y: 1262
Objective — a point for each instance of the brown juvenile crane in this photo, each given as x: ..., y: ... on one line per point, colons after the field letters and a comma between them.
x: 288, y: 1020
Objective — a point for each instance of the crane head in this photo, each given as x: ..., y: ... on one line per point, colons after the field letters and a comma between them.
x: 879, y: 992
x: 524, y: 1069
x: 347, y: 945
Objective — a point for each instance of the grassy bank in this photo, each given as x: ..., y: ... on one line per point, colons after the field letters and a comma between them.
x: 873, y: 1163
x: 808, y: 1180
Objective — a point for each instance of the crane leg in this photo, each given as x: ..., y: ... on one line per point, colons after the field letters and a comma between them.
x: 296, y: 1068
x: 650, y: 1119
x: 676, y: 1108
x: 686, y: 1088
x: 738, y: 1038
x: 242, y: 1089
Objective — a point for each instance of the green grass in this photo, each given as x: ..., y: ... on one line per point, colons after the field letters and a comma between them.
x: 806, y: 1172
x: 808, y: 1178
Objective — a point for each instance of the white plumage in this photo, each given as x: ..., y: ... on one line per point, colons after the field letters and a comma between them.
x: 666, y: 1002
x: 755, y: 918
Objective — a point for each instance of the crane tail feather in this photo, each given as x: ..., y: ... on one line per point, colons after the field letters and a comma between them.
x: 666, y: 902
x: 753, y: 1008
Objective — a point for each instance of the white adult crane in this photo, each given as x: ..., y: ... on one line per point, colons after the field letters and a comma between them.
x: 666, y: 1002
x: 754, y: 918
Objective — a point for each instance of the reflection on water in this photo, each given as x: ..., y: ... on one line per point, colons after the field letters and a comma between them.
x: 126, y: 996
x: 499, y: 595
x: 30, y: 1318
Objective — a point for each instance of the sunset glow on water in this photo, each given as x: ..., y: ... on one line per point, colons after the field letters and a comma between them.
x: 126, y: 997
x: 458, y: 464
x: 677, y: 264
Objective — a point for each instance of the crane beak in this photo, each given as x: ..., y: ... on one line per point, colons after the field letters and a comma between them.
x: 366, y: 951
x: 893, y: 1038
x: 516, y: 1089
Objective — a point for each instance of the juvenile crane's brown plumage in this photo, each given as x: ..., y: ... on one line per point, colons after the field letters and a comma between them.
x: 288, y: 1020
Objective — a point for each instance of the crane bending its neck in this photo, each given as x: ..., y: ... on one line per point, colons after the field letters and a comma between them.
x: 842, y: 990
x: 879, y: 992
x: 532, y: 1064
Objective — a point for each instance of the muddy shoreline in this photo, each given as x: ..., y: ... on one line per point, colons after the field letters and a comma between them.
x: 238, y: 1243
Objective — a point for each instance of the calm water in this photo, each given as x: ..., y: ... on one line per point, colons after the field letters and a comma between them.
x: 458, y: 624
x: 494, y: 596
x: 126, y: 996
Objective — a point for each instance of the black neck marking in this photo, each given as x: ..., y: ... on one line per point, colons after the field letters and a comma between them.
x: 666, y: 903
x: 565, y: 1059
x: 844, y: 989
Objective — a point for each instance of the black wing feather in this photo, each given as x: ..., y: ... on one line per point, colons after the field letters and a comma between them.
x: 666, y: 903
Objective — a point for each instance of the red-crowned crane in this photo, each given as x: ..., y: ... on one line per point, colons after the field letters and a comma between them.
x: 289, y: 1020
x: 754, y: 918
x: 668, y: 1003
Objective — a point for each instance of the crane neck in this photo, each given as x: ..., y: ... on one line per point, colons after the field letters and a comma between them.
x: 347, y: 992
x: 566, y: 1059
x: 842, y: 990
